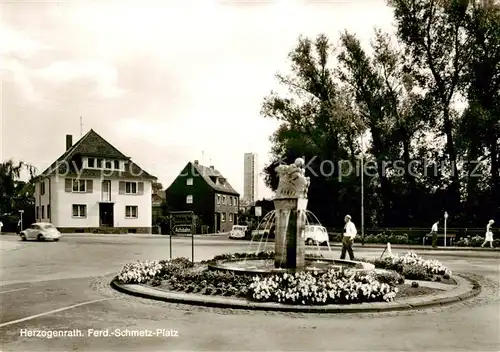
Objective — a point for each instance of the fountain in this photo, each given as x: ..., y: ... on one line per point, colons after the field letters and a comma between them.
x: 290, y: 218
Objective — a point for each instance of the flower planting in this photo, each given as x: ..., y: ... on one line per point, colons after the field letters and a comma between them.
x: 412, y: 266
x: 311, y: 288
x: 474, y: 241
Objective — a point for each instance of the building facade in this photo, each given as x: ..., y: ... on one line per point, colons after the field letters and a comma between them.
x: 93, y: 187
x: 250, y: 177
x: 157, y: 200
x: 203, y: 190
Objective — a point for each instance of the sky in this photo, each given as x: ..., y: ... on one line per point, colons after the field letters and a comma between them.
x: 165, y: 82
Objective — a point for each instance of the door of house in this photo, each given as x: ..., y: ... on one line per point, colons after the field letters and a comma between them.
x: 217, y: 222
x: 106, y: 191
x: 106, y: 214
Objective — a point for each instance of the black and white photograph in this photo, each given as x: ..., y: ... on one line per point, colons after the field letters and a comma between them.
x: 250, y: 175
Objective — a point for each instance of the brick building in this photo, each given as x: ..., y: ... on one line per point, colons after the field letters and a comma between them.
x: 203, y: 190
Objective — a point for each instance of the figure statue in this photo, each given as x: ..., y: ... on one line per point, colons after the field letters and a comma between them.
x: 292, y: 180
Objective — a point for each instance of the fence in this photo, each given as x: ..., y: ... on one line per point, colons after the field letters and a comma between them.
x: 410, y: 234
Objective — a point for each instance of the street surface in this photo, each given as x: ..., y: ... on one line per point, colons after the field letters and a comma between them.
x: 63, y: 287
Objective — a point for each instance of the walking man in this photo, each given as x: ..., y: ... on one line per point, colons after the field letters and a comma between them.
x: 434, y: 233
x: 1, y: 225
x: 348, y: 239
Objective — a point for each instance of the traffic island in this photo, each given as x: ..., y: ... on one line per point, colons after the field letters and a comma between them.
x: 444, y: 294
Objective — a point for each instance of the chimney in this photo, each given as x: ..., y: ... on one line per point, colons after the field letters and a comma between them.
x: 69, y: 141
x: 212, y: 167
x: 196, y: 162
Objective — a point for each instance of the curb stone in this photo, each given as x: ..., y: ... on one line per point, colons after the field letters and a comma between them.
x: 465, y: 290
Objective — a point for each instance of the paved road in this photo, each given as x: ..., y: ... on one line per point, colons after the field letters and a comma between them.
x: 63, y: 287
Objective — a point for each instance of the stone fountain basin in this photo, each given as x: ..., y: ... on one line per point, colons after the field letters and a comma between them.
x: 254, y: 266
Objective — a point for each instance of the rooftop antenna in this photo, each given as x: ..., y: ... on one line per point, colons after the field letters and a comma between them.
x: 81, y: 126
x: 202, y: 157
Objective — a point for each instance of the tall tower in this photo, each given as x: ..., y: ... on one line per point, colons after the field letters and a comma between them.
x: 250, y: 177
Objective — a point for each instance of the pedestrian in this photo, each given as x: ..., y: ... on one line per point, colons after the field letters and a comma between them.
x: 489, y: 234
x: 19, y: 223
x: 350, y: 233
x: 1, y: 225
x: 434, y: 233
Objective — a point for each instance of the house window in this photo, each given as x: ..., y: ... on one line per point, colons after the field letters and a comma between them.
x: 43, y: 212
x: 37, y: 212
x: 48, y: 211
x: 131, y: 211
x: 189, y: 181
x: 108, y: 165
x: 99, y: 163
x: 223, y: 217
x: 223, y: 200
x: 42, y: 188
x: 79, y: 210
x: 230, y: 217
x: 79, y: 185
x: 131, y: 187
x: 189, y: 199
x: 231, y: 201
x: 218, y: 199
x: 117, y: 164
x: 91, y: 162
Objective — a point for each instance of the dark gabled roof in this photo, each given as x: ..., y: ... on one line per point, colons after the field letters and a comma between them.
x: 93, y: 145
x: 206, y: 172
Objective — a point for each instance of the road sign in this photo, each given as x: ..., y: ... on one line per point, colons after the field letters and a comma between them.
x: 182, y: 230
x: 182, y: 223
x: 21, y: 211
x: 258, y: 211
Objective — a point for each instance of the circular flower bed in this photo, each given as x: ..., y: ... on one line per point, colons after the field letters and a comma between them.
x: 306, y: 288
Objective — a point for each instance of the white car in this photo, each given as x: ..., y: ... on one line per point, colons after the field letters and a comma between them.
x: 40, y: 231
x: 238, y: 231
x: 313, y: 234
x: 316, y: 234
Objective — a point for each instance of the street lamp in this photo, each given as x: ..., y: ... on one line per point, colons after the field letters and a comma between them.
x: 21, y: 220
x: 361, y: 141
x: 362, y: 190
x: 445, y: 220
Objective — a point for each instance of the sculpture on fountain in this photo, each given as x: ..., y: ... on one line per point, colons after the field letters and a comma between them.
x: 290, y: 204
x: 293, y: 182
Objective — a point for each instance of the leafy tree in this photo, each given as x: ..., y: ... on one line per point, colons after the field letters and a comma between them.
x: 433, y: 33
x: 157, y: 187
x: 317, y: 122
x: 15, y: 193
x: 480, y: 126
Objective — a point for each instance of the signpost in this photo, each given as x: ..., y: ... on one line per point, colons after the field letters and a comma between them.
x: 182, y: 223
x: 258, y: 214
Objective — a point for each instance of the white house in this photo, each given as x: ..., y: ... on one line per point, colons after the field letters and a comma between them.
x: 93, y: 187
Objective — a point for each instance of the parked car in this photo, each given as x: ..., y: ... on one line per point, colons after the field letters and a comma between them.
x: 316, y: 234
x: 40, y: 231
x: 238, y: 232
x: 313, y: 233
x: 264, y: 231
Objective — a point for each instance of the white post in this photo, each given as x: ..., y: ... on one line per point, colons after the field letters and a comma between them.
x: 362, y: 191
x: 445, y: 221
